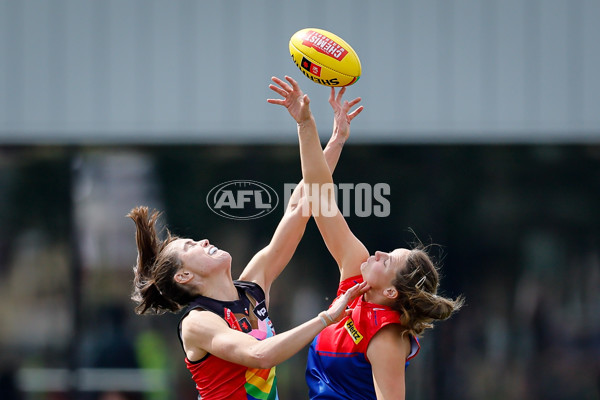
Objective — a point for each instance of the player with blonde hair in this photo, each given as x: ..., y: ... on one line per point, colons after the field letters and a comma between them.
x: 229, y: 341
x: 363, y: 356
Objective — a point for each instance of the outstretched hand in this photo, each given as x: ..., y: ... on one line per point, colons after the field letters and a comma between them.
x: 341, y: 112
x: 296, y: 102
x: 338, y: 309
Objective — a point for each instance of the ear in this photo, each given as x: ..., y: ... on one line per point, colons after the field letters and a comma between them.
x: 391, y: 292
x: 182, y: 276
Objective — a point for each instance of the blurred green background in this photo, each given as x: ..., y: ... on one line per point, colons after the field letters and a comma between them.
x: 517, y: 228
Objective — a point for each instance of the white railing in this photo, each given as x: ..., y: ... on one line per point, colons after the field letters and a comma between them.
x: 91, y: 380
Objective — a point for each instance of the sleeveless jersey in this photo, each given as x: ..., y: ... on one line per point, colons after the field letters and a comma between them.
x: 337, y: 365
x: 217, y: 379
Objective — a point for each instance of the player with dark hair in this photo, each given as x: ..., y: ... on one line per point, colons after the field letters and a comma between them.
x: 229, y: 341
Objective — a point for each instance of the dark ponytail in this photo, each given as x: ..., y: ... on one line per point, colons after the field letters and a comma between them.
x: 418, y: 303
x: 154, y: 289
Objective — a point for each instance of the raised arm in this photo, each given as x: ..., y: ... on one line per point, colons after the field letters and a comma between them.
x: 270, y: 261
x: 346, y: 249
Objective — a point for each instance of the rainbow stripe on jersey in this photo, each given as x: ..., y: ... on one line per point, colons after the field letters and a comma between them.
x: 217, y: 379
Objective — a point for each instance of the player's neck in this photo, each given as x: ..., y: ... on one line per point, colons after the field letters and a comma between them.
x: 221, y: 289
x: 376, y: 297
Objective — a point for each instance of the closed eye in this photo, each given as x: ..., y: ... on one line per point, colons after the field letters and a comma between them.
x: 386, y: 262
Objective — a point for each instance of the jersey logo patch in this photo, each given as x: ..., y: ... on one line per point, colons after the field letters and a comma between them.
x: 245, y: 324
x: 260, y: 310
x: 354, y: 333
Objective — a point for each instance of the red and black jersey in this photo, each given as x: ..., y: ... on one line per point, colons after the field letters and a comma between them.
x: 218, y: 379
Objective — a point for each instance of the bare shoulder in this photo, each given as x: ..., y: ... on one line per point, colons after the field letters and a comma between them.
x: 198, y: 329
x: 391, y: 339
x: 199, y: 322
x: 386, y: 352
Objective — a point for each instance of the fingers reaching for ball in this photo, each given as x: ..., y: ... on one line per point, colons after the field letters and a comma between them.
x: 296, y: 102
x: 342, y: 116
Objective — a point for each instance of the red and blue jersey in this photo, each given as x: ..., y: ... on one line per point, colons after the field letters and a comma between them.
x: 218, y: 379
x: 337, y: 365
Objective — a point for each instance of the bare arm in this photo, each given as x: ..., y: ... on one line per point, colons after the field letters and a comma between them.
x: 204, y: 332
x: 346, y: 249
x: 269, y: 262
x: 387, y: 353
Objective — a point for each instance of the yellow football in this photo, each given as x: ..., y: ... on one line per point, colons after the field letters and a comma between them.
x: 325, y: 58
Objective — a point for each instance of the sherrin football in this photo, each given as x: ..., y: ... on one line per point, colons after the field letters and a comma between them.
x: 325, y: 58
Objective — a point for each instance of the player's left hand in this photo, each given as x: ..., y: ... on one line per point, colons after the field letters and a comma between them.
x: 296, y: 102
x: 341, y: 112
